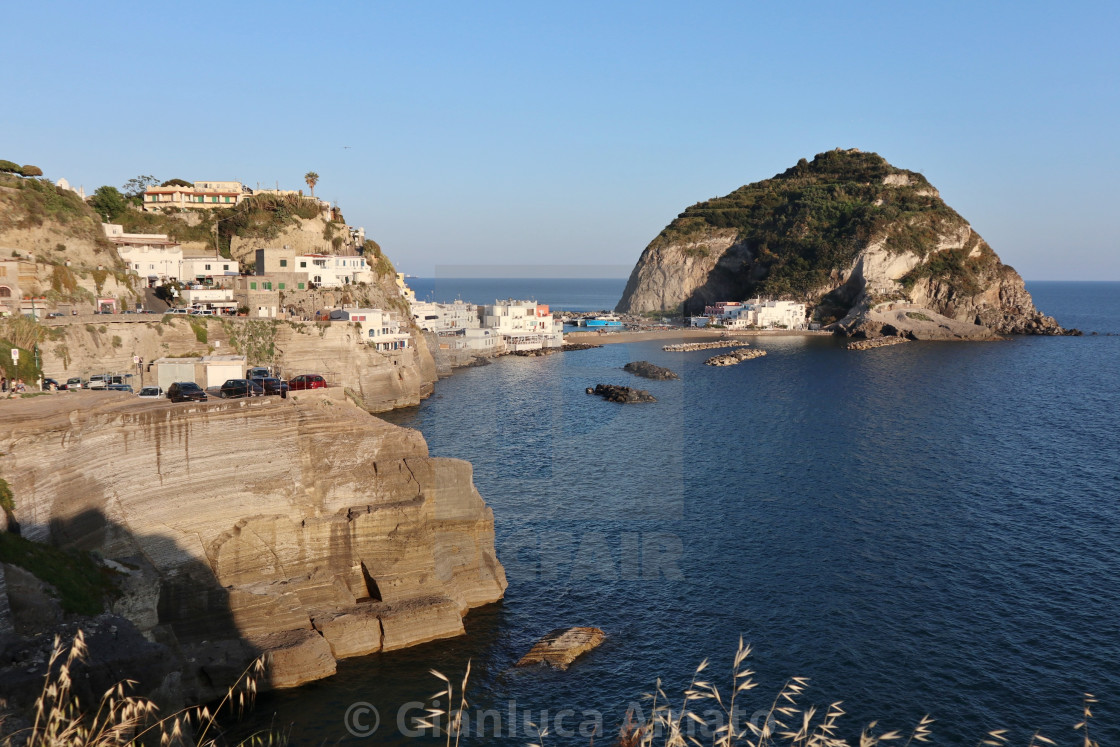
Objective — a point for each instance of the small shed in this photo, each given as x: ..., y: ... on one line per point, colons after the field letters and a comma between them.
x: 170, y: 370
x: 217, y: 369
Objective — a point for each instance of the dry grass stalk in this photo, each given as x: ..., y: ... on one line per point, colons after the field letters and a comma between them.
x: 122, y: 719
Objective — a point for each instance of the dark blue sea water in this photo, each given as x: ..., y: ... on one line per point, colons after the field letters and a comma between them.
x: 926, y: 528
x: 562, y: 294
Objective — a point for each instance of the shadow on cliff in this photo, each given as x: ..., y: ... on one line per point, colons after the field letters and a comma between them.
x: 735, y: 276
x: 170, y: 630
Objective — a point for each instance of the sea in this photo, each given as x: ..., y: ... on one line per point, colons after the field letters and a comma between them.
x: 924, y: 529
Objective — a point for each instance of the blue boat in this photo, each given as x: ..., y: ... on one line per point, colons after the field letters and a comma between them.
x: 603, y: 321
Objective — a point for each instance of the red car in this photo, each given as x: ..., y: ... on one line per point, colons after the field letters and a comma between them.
x: 307, y: 381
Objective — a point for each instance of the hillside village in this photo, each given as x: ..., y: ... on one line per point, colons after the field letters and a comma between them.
x: 255, y: 279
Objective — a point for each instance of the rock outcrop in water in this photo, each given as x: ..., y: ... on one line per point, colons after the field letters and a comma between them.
x: 621, y: 394
x: 648, y: 370
x: 301, y: 527
x: 847, y: 232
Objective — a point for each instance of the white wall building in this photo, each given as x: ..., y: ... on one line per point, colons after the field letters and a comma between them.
x: 525, y: 325
x: 209, y: 298
x: 378, y: 328
x: 200, y: 268
x: 756, y: 313
x: 444, y: 317
x: 333, y: 271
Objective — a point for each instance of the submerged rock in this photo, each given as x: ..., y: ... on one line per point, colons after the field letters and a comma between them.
x: 562, y: 646
x: 647, y: 370
x: 623, y: 394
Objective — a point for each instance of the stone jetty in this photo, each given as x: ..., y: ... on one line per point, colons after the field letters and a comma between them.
x: 875, y: 342
x: 684, y: 347
x: 734, y: 358
x: 562, y: 646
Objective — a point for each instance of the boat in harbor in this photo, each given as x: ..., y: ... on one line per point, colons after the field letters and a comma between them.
x: 600, y: 322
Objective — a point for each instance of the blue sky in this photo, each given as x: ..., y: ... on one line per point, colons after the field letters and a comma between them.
x: 572, y: 133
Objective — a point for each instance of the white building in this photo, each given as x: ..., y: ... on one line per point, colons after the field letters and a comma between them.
x: 444, y: 317
x: 378, y: 328
x: 524, y: 325
x: 153, y: 256
x: 756, y: 313
x: 333, y: 271
x: 216, y: 299
x: 157, y: 258
x: 201, y: 268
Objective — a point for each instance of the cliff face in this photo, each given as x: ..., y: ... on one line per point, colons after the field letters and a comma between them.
x: 846, y: 233
x: 377, y: 381
x: 305, y: 528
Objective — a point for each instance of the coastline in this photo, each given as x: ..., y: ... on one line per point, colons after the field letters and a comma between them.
x: 608, y: 338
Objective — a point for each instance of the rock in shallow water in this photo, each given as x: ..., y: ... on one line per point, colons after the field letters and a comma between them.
x: 647, y: 370
x: 562, y: 646
x: 623, y: 394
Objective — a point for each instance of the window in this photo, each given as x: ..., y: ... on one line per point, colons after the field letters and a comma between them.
x: 213, y: 199
x: 252, y: 286
x: 301, y: 286
x: 281, y: 286
x: 227, y: 199
x: 303, y: 264
x: 283, y: 263
x: 268, y: 285
x: 225, y: 267
x: 207, y: 267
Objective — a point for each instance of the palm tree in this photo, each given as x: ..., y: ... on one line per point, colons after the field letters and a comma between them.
x: 312, y: 179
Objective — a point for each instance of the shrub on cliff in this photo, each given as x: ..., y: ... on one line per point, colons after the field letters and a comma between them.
x: 9, y: 167
x: 31, y: 171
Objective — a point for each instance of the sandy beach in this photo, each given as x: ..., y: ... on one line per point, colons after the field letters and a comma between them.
x: 681, y: 335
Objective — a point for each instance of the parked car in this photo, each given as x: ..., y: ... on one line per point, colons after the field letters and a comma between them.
x: 272, y: 385
x: 257, y: 372
x: 307, y: 381
x: 47, y: 385
x: 97, y: 381
x: 234, y: 388
x: 185, y: 391
x: 151, y: 392
x: 120, y: 388
x: 72, y: 384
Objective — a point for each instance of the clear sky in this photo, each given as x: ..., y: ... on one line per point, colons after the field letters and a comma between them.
x: 572, y: 132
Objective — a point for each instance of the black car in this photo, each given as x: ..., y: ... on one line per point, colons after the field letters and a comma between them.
x: 234, y: 388
x: 185, y: 391
x: 47, y: 385
x: 271, y: 385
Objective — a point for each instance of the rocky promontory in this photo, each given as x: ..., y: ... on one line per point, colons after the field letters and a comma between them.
x: 304, y: 528
x: 847, y: 232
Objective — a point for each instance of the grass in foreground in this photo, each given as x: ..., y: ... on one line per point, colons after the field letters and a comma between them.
x: 121, y: 720
x: 705, y: 715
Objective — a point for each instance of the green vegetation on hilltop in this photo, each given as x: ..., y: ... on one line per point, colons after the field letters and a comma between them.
x: 816, y: 216
x: 263, y: 217
x: 29, y: 203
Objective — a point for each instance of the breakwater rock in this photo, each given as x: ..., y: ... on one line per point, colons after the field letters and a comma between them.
x: 875, y: 342
x: 734, y: 358
x: 647, y: 370
x: 303, y: 528
x: 562, y: 646
x: 565, y: 348
x: 622, y: 394
x: 685, y: 347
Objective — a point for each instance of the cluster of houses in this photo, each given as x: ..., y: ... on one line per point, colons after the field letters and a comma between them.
x: 754, y: 314
x: 503, y: 326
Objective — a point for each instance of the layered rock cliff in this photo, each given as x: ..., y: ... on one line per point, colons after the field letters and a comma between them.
x: 302, y: 527
x: 846, y: 232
